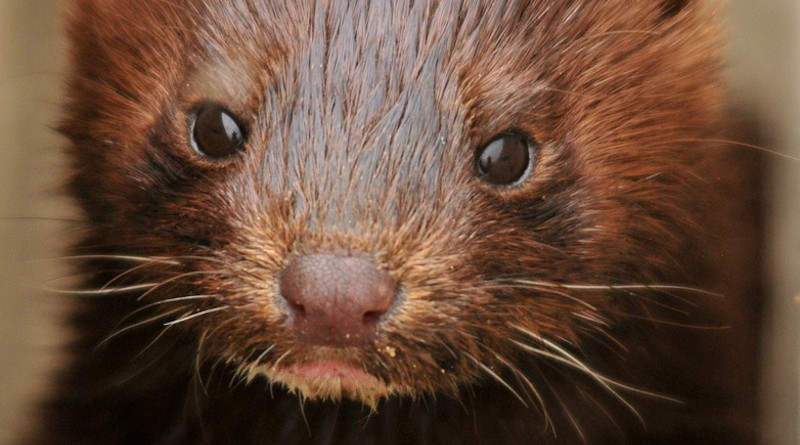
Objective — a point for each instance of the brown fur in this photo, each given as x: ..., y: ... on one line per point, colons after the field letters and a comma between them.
x: 363, y: 119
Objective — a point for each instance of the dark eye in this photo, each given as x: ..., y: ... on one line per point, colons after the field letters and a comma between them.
x: 215, y: 132
x: 505, y: 160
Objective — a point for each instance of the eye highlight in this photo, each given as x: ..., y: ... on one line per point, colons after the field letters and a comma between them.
x: 505, y: 159
x: 215, y: 132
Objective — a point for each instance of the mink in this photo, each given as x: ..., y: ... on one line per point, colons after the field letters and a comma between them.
x: 403, y: 222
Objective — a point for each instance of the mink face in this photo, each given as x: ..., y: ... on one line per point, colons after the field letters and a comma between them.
x: 371, y: 201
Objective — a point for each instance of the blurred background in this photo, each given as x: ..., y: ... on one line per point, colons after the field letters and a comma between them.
x: 764, y: 51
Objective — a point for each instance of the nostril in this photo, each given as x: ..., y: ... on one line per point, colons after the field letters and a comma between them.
x: 371, y: 317
x: 298, y: 309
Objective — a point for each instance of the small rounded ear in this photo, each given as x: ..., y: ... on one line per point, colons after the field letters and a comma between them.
x: 671, y: 8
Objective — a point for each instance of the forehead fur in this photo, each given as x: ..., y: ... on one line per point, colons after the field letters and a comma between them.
x: 364, y: 53
x: 345, y: 99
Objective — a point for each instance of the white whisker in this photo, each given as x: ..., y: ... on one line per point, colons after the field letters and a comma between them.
x: 125, y: 273
x: 280, y: 359
x: 563, y: 356
x: 533, y: 390
x: 621, y: 287
x: 263, y: 354
x: 153, y: 341
x: 742, y: 145
x: 572, y: 420
x: 138, y: 324
x: 131, y: 258
x: 195, y: 315
x: 576, y: 364
x: 104, y: 291
x: 176, y: 278
x: 176, y: 299
x: 162, y: 302
x: 197, y: 356
x: 499, y: 379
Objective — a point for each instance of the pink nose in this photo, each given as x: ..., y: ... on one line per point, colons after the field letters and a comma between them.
x: 336, y: 300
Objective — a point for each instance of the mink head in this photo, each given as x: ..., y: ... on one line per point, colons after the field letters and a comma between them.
x: 369, y: 199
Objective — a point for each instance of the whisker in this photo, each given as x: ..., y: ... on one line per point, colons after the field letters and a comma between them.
x: 125, y: 273
x: 603, y: 409
x: 105, y: 291
x: 195, y: 315
x: 264, y: 354
x: 552, y: 290
x: 148, y: 287
x: 118, y: 332
x: 178, y: 277
x: 152, y: 342
x: 497, y: 378
x: 563, y: 356
x: 606, y: 383
x: 661, y: 321
x: 167, y: 301
x: 606, y: 338
x: 280, y: 359
x: 743, y: 145
x: 575, y: 425
x: 548, y: 421
x: 186, y: 298
x: 619, y: 287
x: 152, y: 362
x: 302, y: 402
x: 197, y: 361
x: 130, y: 258
x: 219, y: 359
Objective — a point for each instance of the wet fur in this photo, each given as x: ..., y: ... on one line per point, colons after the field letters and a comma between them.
x: 552, y: 312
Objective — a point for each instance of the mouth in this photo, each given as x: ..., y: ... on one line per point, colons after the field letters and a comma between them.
x: 330, y: 379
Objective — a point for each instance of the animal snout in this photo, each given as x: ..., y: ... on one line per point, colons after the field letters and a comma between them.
x: 336, y: 300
